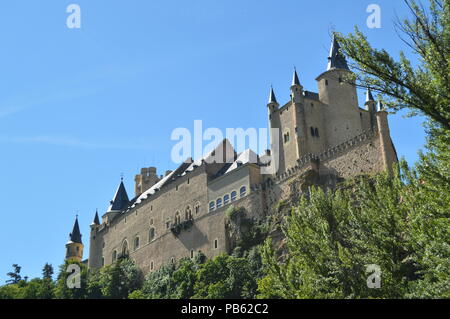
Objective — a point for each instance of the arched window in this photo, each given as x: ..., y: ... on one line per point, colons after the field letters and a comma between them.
x: 125, y: 251
x: 219, y: 202
x: 136, y: 243
x: 226, y: 199
x: 243, y: 191
x: 151, y: 234
x: 312, y: 131
x: 197, y: 208
x: 188, y: 213
x: 177, y: 218
x: 233, y: 196
x: 212, y: 206
x: 114, y: 256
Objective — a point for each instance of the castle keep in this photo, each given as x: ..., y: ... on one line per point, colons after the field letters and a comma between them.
x: 323, y: 138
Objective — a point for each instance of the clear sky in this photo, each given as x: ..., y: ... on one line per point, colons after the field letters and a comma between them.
x: 78, y: 107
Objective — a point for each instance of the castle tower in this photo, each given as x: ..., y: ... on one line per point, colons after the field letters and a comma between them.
x: 336, y: 91
x: 74, y: 247
x: 370, y: 106
x: 276, y: 141
x: 95, y: 248
x: 146, y: 179
x: 296, y: 89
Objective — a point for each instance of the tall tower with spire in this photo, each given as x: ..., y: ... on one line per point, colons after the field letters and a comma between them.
x: 336, y: 91
x: 74, y: 247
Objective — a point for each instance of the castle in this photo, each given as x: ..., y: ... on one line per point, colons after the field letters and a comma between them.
x: 323, y: 138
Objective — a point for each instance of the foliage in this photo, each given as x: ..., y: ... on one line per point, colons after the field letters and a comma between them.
x: 14, y: 275
x: 422, y: 89
x: 390, y: 221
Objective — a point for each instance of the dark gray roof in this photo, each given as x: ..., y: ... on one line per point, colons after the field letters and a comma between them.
x: 75, y: 235
x: 120, y: 201
x: 336, y: 60
x: 272, y: 98
x: 369, y: 96
x: 96, y: 219
x: 295, y: 80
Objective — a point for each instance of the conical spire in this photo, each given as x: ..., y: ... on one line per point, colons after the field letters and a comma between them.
x: 380, y: 106
x: 75, y: 235
x: 272, y: 98
x: 369, y: 96
x: 336, y: 60
x: 120, y: 200
x: 96, y: 219
x: 295, y: 80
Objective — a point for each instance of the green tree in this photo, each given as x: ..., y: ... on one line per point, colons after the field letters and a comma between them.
x: 14, y: 275
x: 422, y: 89
x: 387, y: 220
x: 65, y: 291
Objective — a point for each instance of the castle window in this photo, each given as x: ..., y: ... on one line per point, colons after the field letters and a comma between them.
x: 316, y: 132
x: 312, y: 131
x: 125, y: 249
x: 197, y: 208
x: 177, y: 218
x: 136, y: 243
x: 192, y: 253
x: 233, y: 196
x: 216, y: 243
x: 219, y: 202
x: 188, y: 180
x: 172, y: 260
x: 226, y: 199
x: 188, y: 213
x: 151, y: 221
x: 212, y: 206
x: 103, y: 261
x: 151, y: 234
x: 167, y: 223
x: 243, y: 191
x: 151, y: 265
x: 326, y: 82
x: 114, y: 256
x: 286, y: 137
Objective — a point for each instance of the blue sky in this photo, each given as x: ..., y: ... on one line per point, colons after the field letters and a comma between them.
x: 80, y: 107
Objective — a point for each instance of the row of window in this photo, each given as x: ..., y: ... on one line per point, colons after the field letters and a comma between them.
x: 226, y: 199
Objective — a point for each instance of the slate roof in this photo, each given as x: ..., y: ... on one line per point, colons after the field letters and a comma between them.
x: 75, y: 235
x: 120, y: 200
x: 336, y: 60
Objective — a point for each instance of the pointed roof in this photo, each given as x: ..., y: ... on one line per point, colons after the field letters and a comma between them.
x: 369, y: 96
x: 272, y: 98
x: 96, y: 219
x: 75, y: 235
x: 380, y: 106
x: 295, y: 80
x: 336, y: 60
x: 120, y: 200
